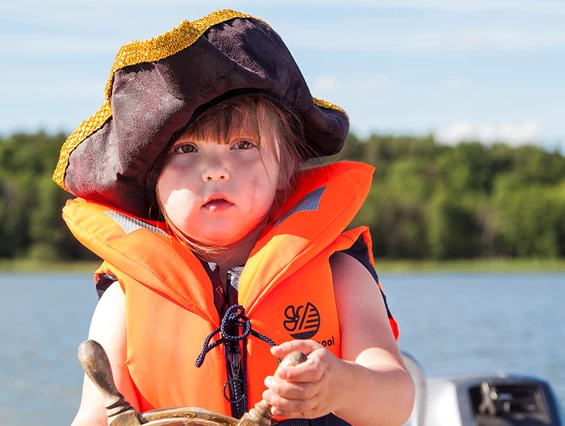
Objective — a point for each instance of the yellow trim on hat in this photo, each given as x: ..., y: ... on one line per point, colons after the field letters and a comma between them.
x: 169, y: 43
x: 143, y: 51
x: 86, y: 128
x: 328, y: 105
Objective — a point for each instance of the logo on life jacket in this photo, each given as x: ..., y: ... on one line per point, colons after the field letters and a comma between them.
x: 303, y: 321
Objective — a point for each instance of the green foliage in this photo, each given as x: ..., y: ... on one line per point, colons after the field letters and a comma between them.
x: 465, y: 168
x: 30, y: 202
x: 411, y: 178
x: 465, y: 201
x: 428, y: 201
x: 14, y: 203
x: 45, y: 228
x: 397, y: 226
x: 453, y: 228
x: 530, y: 220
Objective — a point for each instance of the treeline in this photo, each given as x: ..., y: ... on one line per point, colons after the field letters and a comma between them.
x: 432, y: 201
x: 428, y: 201
x: 30, y: 202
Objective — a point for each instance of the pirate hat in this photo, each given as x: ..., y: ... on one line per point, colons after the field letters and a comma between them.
x: 157, y: 86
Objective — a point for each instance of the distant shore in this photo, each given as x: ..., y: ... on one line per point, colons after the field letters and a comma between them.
x: 471, y: 265
x: 382, y: 265
x: 56, y: 267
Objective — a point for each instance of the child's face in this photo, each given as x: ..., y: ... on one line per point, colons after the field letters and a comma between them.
x: 216, y: 194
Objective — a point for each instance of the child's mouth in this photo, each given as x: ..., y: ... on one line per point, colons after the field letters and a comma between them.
x: 217, y: 204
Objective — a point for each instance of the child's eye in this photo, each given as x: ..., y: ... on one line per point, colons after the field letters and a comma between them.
x: 243, y: 144
x: 184, y: 149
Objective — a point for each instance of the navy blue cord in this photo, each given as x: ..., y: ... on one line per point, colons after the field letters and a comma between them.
x: 233, y: 318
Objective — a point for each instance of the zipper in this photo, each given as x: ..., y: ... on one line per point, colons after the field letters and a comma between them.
x: 235, y: 380
x: 235, y: 363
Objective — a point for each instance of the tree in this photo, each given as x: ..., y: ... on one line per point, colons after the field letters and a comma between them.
x: 529, y: 219
x: 453, y: 228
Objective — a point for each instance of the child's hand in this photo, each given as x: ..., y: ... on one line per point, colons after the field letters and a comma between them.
x: 308, y: 390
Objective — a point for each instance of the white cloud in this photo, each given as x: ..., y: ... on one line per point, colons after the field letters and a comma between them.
x: 38, y: 45
x: 536, y: 6
x: 350, y: 39
x: 494, y: 39
x: 325, y: 84
x: 511, y: 133
x: 457, y: 83
x: 335, y: 33
x: 328, y: 84
x: 372, y: 82
x: 33, y: 83
x: 541, y: 6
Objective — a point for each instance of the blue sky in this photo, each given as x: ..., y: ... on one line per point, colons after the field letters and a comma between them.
x: 487, y: 69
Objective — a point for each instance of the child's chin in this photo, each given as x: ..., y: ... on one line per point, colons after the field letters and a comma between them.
x: 219, y: 239
x: 220, y: 236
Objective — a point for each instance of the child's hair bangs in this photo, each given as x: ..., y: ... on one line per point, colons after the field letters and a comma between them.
x: 227, y: 122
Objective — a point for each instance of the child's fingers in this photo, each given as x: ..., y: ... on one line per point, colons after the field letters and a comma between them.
x: 304, y: 346
x: 287, y: 407
x: 290, y: 390
x: 309, y: 371
x: 293, y: 414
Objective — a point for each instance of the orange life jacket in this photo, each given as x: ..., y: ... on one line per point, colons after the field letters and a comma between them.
x: 286, y: 287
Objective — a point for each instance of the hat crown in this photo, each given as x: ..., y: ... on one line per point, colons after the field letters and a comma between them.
x: 156, y: 86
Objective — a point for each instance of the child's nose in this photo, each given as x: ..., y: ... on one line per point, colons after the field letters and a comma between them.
x: 215, y: 172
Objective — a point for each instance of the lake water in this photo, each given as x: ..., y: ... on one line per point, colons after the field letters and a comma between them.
x: 450, y: 322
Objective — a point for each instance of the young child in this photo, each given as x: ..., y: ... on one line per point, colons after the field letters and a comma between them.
x: 221, y: 250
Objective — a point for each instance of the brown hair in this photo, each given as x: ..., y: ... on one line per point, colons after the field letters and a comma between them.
x: 274, y: 127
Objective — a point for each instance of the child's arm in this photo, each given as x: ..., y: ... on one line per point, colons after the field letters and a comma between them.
x: 108, y: 327
x: 370, y: 384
